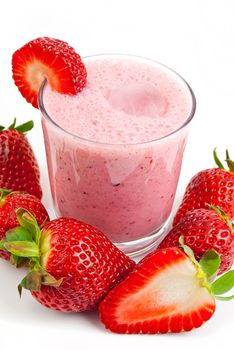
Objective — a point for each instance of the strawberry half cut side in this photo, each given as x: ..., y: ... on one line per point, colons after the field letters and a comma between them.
x: 168, y: 291
x: 51, y: 59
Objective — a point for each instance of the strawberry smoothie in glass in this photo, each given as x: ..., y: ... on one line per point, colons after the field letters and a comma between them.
x: 114, y: 150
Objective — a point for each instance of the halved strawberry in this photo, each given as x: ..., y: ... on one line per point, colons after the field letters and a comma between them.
x: 166, y: 292
x: 48, y: 58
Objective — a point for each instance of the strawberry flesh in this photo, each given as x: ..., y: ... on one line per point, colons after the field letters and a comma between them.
x: 161, y: 295
x: 48, y: 58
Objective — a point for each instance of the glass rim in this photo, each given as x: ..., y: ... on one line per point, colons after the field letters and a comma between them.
x: 93, y: 142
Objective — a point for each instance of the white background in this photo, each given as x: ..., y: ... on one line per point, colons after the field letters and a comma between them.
x: 196, y: 38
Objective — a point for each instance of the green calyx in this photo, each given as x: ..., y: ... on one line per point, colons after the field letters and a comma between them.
x: 222, y: 214
x: 23, y: 128
x: 35, y: 279
x: 230, y: 163
x: 207, y: 269
x: 23, y: 242
x: 3, y: 194
x: 222, y: 285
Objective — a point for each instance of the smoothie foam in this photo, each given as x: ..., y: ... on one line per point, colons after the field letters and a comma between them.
x: 118, y: 182
x: 123, y: 102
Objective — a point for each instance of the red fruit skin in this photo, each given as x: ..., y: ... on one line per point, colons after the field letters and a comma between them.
x: 56, y: 61
x: 88, y: 262
x: 18, y: 166
x: 204, y: 229
x: 211, y: 186
x: 145, y: 271
x: 8, y: 207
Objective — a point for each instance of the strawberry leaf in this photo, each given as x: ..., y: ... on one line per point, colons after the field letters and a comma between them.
x: 12, y: 126
x: 2, y: 242
x: 221, y: 213
x: 210, y: 262
x: 32, y: 281
x: 188, y: 251
x: 49, y: 280
x: 217, y: 160
x: 18, y: 234
x: 218, y: 297
x: 22, y: 248
x: 223, y: 284
x: 23, y: 128
x: 18, y: 261
x: 230, y: 162
x: 28, y: 222
x: 3, y: 193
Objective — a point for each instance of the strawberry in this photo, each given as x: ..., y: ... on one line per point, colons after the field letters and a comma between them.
x: 18, y: 166
x: 9, y: 203
x: 48, y: 58
x: 168, y: 291
x: 212, y: 186
x: 73, y: 265
x: 205, y: 229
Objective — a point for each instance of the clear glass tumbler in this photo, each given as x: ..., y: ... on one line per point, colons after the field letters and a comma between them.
x: 125, y: 190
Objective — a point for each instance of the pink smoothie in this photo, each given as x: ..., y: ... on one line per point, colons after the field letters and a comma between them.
x: 112, y: 164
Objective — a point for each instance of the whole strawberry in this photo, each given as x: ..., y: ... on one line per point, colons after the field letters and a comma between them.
x: 73, y: 265
x: 167, y: 292
x: 9, y: 203
x: 18, y: 166
x: 205, y: 229
x: 212, y: 186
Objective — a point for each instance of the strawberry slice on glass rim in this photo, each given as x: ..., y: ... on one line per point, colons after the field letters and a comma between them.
x: 51, y: 59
